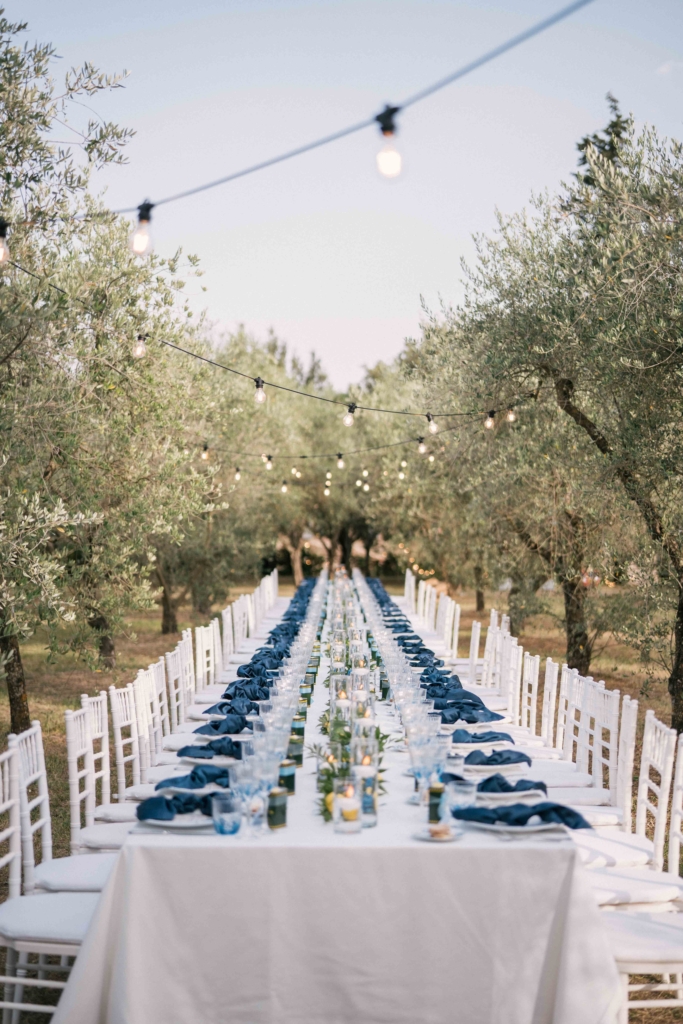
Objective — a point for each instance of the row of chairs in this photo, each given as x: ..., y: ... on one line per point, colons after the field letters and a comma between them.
x: 51, y: 900
x: 586, y: 749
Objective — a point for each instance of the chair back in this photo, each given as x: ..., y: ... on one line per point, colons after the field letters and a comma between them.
x: 627, y: 750
x: 511, y: 675
x: 455, y: 631
x: 659, y: 744
x: 251, y: 619
x: 215, y: 628
x: 81, y: 772
x: 99, y: 734
x: 34, y: 801
x: 549, y: 702
x: 176, y: 697
x: 205, y: 664
x: 566, y: 676
x: 10, y: 816
x: 125, y: 727
x: 228, y: 636
x: 158, y: 673
x: 529, y: 696
x: 676, y: 827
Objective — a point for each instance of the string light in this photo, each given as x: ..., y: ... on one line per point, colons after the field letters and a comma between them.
x: 4, y: 248
x: 293, y: 470
x: 388, y: 159
x: 238, y: 475
x: 431, y: 458
x: 401, y: 475
x: 284, y: 487
x: 421, y: 446
x: 326, y: 492
x: 490, y: 420
x: 432, y: 425
x: 366, y: 487
x: 347, y: 419
x: 269, y: 463
x: 140, y: 241
x: 511, y: 415
x: 298, y: 474
x: 340, y: 461
x: 365, y: 472
x: 139, y: 348
x: 259, y: 394
x: 359, y: 483
x: 328, y: 474
x: 205, y: 452
x: 403, y: 463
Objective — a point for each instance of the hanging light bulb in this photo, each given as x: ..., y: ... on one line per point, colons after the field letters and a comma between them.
x: 139, y: 348
x: 366, y: 487
x: 388, y: 158
x: 269, y: 462
x: 421, y: 446
x: 511, y: 415
x: 259, y: 394
x: 4, y: 248
x: 490, y: 420
x: 347, y: 419
x: 328, y: 475
x: 284, y: 487
x: 293, y: 470
x: 141, y: 239
x: 403, y: 463
x: 326, y: 492
x: 365, y: 472
x: 205, y: 452
x: 238, y: 475
x: 401, y: 475
x: 298, y: 474
x: 432, y: 424
x: 431, y: 458
x: 340, y: 461
x: 359, y: 483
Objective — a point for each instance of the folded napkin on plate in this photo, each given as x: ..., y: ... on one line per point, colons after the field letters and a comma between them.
x: 546, y: 813
x: 224, y: 746
x: 239, y: 706
x: 252, y: 691
x: 447, y: 777
x: 473, y: 738
x: 499, y: 784
x: 478, y: 757
x: 465, y: 711
x: 163, y: 808
x: 199, y: 777
x: 229, y: 724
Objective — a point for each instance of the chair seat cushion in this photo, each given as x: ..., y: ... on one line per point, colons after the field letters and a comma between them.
x: 54, y: 917
x: 640, y: 938
x: 597, y: 816
x: 116, y: 812
x: 181, y: 737
x: 105, y: 837
x: 620, y: 850
x: 83, y: 873
x: 613, y: 886
x: 164, y: 771
x: 554, y: 774
x: 143, y: 791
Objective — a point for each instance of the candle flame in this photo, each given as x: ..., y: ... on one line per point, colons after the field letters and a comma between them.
x: 342, y: 694
x: 367, y: 759
x: 349, y: 791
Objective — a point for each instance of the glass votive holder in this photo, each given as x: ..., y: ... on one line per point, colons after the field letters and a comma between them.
x: 226, y: 811
x: 364, y: 776
x: 346, y: 806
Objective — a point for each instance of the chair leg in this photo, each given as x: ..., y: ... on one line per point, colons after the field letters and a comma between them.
x: 20, y: 972
x: 623, y: 1006
x: 10, y: 970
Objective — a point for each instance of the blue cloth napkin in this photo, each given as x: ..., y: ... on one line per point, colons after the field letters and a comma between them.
x: 478, y: 757
x: 224, y: 746
x: 238, y: 706
x: 200, y: 776
x: 519, y: 814
x: 463, y: 736
x: 467, y: 712
x: 447, y: 777
x: 230, y: 724
x: 252, y: 691
x: 499, y: 784
x: 163, y: 808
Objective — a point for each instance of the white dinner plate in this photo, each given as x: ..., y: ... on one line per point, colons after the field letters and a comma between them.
x: 484, y: 770
x: 426, y: 836
x: 487, y: 746
x: 514, y: 830
x: 219, y: 760
x: 498, y: 799
x: 211, y: 787
x: 181, y: 822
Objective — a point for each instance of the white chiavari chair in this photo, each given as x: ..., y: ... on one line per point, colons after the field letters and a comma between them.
x: 125, y: 727
x: 176, y: 696
x: 549, y: 703
x: 469, y: 667
x: 529, y: 696
x: 158, y: 672
x: 36, y: 925
x: 99, y: 733
x: 215, y: 628
x: 228, y: 636
x: 205, y: 669
x: 83, y: 807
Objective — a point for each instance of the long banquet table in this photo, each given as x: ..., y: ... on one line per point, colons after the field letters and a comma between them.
x: 306, y: 926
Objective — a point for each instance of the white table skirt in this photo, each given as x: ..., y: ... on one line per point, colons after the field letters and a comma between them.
x: 307, y: 926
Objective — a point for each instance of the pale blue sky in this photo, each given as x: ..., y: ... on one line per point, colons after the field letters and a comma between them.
x: 322, y: 249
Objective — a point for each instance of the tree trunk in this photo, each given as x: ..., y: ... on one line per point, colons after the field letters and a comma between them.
x: 676, y: 677
x: 478, y: 582
x: 105, y: 642
x: 169, y: 617
x: 297, y: 566
x: 16, y: 683
x: 578, y: 647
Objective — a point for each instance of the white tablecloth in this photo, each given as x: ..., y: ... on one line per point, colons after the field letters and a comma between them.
x: 309, y: 927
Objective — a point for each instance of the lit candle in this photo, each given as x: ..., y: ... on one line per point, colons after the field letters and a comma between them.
x: 349, y: 804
